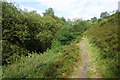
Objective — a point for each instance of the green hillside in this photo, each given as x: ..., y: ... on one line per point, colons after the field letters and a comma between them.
x: 104, y: 35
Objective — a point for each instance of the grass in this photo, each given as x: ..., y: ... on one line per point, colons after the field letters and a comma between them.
x: 68, y: 60
x: 55, y: 63
x: 92, y: 60
x: 98, y: 67
x: 76, y: 70
x: 103, y: 38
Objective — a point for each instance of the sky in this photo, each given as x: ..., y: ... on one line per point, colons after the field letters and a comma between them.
x: 84, y: 9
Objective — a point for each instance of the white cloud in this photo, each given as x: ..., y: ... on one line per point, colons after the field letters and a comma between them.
x: 29, y: 9
x: 77, y: 8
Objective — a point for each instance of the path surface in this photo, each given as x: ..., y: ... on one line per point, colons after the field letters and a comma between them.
x: 85, y: 59
x: 88, y: 67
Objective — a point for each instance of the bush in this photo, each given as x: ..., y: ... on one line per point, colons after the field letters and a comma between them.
x: 25, y: 32
x: 105, y: 35
x: 57, y: 61
x: 12, y: 53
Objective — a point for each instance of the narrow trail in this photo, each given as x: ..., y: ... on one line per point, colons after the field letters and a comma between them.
x: 85, y: 59
x: 88, y: 66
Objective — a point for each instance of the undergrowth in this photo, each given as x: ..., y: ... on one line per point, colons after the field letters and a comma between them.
x: 99, y: 67
x: 104, y: 34
x: 55, y: 63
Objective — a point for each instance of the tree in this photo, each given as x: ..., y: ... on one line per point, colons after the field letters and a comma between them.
x: 14, y: 33
x: 63, y: 19
x: 49, y: 12
x: 94, y: 19
x: 26, y: 32
x: 104, y: 14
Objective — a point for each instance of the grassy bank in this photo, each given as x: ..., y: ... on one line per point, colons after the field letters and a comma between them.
x: 103, y: 38
x: 55, y: 63
x: 98, y: 67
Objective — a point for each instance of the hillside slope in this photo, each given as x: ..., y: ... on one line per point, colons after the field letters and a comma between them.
x: 104, y: 35
x: 56, y: 63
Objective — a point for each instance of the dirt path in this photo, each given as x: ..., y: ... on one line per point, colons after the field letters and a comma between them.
x: 88, y: 66
x: 85, y: 59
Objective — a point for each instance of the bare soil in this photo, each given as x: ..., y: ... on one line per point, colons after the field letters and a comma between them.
x: 85, y: 60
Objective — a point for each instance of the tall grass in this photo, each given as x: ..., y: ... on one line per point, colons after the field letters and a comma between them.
x: 99, y: 67
x: 104, y: 34
x: 55, y: 63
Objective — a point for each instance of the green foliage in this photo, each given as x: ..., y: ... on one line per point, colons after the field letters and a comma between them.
x: 65, y: 36
x: 105, y: 35
x: 94, y: 19
x: 104, y: 14
x: 52, y: 64
x: 40, y: 45
x: 49, y: 12
x: 15, y: 52
x: 103, y: 67
x: 14, y: 33
x: 68, y: 33
x: 26, y: 35
x: 26, y: 32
